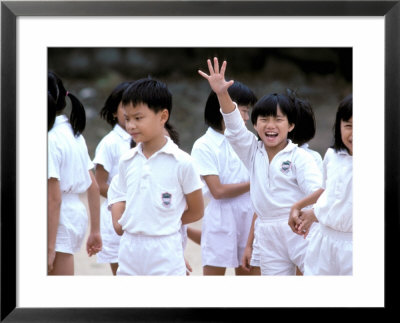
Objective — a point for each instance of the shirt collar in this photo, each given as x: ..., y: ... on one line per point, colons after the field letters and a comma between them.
x: 121, y: 132
x: 60, y: 119
x: 169, y: 148
x: 216, y: 137
x: 343, y: 152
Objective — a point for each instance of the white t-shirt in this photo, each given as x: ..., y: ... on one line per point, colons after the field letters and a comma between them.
x: 213, y: 155
x: 315, y: 154
x: 334, y: 207
x: 155, y: 189
x: 275, y: 187
x: 110, y: 149
x: 68, y: 158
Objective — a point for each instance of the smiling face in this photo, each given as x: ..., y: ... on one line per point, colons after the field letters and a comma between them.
x: 273, y: 131
x: 143, y: 124
x: 346, y: 132
x: 119, y: 115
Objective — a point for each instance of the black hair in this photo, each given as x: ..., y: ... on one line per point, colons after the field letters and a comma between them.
x: 111, y: 104
x: 305, y: 127
x: 238, y: 92
x: 344, y: 112
x: 268, y: 106
x: 172, y: 132
x: 152, y: 92
x: 56, y: 94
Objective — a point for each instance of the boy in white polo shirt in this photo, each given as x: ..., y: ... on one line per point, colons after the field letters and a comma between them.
x: 281, y: 174
x: 163, y: 189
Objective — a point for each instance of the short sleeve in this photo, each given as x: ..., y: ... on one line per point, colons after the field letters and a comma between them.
x: 54, y: 158
x: 189, y: 178
x: 103, y: 156
x: 115, y: 193
x: 205, y: 159
x: 308, y: 173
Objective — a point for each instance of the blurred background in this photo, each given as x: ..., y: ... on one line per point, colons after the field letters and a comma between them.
x: 321, y: 75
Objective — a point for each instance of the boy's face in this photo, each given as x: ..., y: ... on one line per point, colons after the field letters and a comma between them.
x: 346, y: 131
x: 273, y: 131
x: 119, y: 114
x: 244, y: 112
x: 142, y: 123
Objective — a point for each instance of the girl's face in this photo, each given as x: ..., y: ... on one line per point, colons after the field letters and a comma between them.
x: 346, y: 131
x: 273, y: 131
x: 119, y: 114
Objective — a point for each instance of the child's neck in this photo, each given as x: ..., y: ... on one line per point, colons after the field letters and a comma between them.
x: 273, y: 151
x: 152, y: 146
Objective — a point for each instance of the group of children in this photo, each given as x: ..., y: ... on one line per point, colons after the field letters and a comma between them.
x: 274, y: 207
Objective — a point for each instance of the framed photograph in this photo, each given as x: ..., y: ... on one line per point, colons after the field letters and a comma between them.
x: 29, y: 29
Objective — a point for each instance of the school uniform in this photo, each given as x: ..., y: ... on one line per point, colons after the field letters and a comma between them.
x: 275, y: 187
x: 330, y: 251
x: 155, y: 190
x: 69, y: 162
x: 108, y: 153
x: 226, y: 222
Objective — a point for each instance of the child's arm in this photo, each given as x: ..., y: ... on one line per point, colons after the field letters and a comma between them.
x: 54, y: 206
x: 221, y: 191
x: 249, y: 246
x: 195, y: 207
x: 117, y: 209
x: 94, y: 243
x: 294, y: 217
x: 101, y: 179
x: 194, y: 235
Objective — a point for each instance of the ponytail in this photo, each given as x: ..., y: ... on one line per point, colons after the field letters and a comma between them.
x: 173, y: 133
x: 77, y: 116
x: 56, y: 102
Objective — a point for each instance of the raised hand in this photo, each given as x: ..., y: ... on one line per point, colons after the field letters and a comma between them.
x: 216, y: 79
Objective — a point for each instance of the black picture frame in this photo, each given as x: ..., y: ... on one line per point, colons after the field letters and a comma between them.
x: 10, y: 10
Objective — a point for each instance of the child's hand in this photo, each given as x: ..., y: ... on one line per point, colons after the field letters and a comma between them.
x: 51, y: 256
x: 294, y: 220
x: 93, y: 244
x: 188, y: 268
x: 246, y: 258
x: 307, y: 218
x: 217, y: 77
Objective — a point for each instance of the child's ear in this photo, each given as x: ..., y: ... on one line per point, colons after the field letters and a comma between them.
x: 164, y: 115
x: 291, y: 126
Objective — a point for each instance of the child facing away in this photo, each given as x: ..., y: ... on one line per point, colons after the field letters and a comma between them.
x: 161, y: 185
x: 107, y: 155
x: 228, y: 215
x: 330, y: 251
x: 281, y: 174
x: 69, y: 174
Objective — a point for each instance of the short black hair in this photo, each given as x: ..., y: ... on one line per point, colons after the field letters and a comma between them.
x: 268, y: 106
x: 112, y: 102
x: 305, y: 127
x: 153, y: 93
x: 238, y: 92
x: 344, y: 112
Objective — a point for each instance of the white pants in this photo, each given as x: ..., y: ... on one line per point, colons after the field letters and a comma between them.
x: 225, y: 229
x: 255, y: 256
x: 151, y: 255
x: 110, y: 239
x: 281, y: 250
x: 72, y: 225
x: 330, y: 252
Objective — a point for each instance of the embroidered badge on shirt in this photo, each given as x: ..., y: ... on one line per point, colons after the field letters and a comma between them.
x: 285, y: 167
x: 166, y: 199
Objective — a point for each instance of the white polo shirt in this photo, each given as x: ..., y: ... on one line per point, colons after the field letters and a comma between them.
x: 334, y: 208
x: 110, y: 149
x: 275, y: 187
x: 155, y: 189
x: 315, y: 154
x: 213, y: 155
x: 68, y: 158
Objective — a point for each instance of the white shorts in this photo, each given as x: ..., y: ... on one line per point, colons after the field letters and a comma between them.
x: 281, y: 250
x: 225, y: 229
x: 255, y: 256
x: 151, y: 255
x: 72, y: 225
x: 330, y: 252
x: 110, y: 239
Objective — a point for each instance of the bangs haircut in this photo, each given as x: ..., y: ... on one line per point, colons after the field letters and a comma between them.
x: 268, y: 106
x: 112, y: 102
x: 239, y: 93
x: 344, y: 112
x: 153, y: 93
